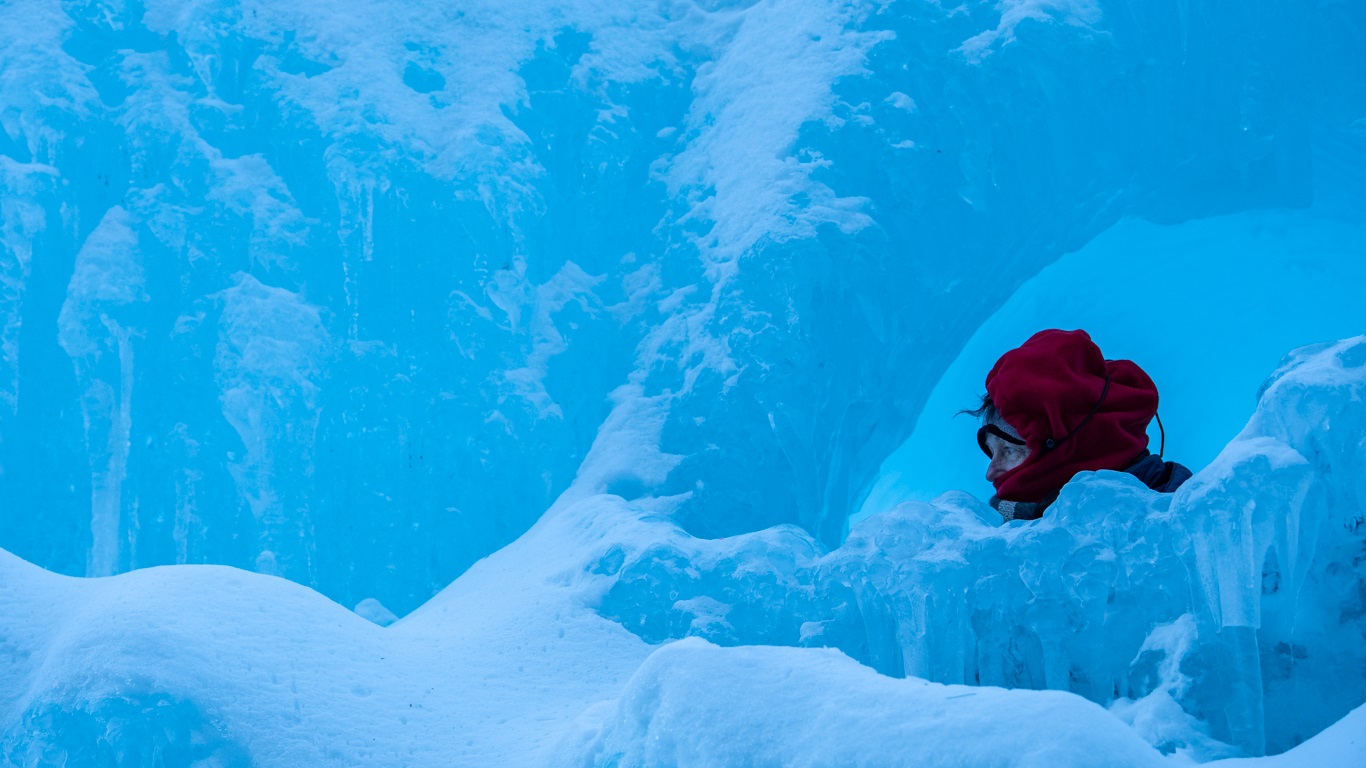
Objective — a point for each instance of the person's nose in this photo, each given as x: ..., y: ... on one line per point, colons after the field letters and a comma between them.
x: 995, y: 469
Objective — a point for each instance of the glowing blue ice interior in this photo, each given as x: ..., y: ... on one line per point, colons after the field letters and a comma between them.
x: 353, y: 293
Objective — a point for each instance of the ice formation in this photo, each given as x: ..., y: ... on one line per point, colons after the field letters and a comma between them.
x: 1238, y: 598
x: 616, y: 311
x: 493, y: 225
x: 1219, y: 621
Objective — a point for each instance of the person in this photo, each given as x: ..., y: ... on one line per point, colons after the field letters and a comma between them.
x: 1054, y: 406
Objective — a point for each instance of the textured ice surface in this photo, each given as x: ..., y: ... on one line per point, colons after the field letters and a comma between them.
x: 1239, y: 598
x: 351, y: 293
x: 1216, y: 622
x: 380, y: 287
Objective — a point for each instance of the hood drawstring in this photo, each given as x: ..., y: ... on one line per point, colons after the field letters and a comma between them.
x: 1050, y: 443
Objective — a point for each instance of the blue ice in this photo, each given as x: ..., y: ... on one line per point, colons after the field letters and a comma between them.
x: 557, y: 382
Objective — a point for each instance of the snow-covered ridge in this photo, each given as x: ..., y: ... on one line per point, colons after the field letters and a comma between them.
x: 1215, y: 621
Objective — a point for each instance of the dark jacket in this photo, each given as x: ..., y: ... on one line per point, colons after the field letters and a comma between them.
x: 1161, y: 476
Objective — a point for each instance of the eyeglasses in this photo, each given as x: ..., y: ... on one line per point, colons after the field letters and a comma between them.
x: 992, y: 429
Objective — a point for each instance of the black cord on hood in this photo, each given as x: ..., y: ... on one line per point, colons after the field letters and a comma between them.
x: 1050, y: 443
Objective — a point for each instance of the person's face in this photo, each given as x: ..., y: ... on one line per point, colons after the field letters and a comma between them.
x: 1004, y: 457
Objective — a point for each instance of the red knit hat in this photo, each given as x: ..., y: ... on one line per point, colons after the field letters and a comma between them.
x: 1075, y: 410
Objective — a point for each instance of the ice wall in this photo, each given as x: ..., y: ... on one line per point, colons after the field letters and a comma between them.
x: 348, y: 291
x: 1224, y: 619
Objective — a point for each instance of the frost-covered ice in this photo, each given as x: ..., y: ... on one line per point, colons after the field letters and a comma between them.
x: 498, y: 226
x: 352, y: 293
x: 1216, y: 622
x: 1225, y: 618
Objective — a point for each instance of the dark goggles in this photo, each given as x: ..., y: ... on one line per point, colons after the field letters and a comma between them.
x: 992, y: 429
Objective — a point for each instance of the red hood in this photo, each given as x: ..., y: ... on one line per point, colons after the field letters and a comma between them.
x: 1046, y: 388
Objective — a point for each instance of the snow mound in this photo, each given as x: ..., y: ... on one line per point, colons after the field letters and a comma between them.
x: 695, y: 704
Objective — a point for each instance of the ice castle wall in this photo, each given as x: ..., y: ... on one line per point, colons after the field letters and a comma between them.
x: 347, y: 292
x: 1220, y: 620
x: 1223, y: 619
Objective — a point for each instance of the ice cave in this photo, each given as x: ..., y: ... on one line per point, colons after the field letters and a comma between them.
x: 573, y: 382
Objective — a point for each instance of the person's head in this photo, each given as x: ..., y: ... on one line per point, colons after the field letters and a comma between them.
x: 1072, y: 409
x: 1002, y: 444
